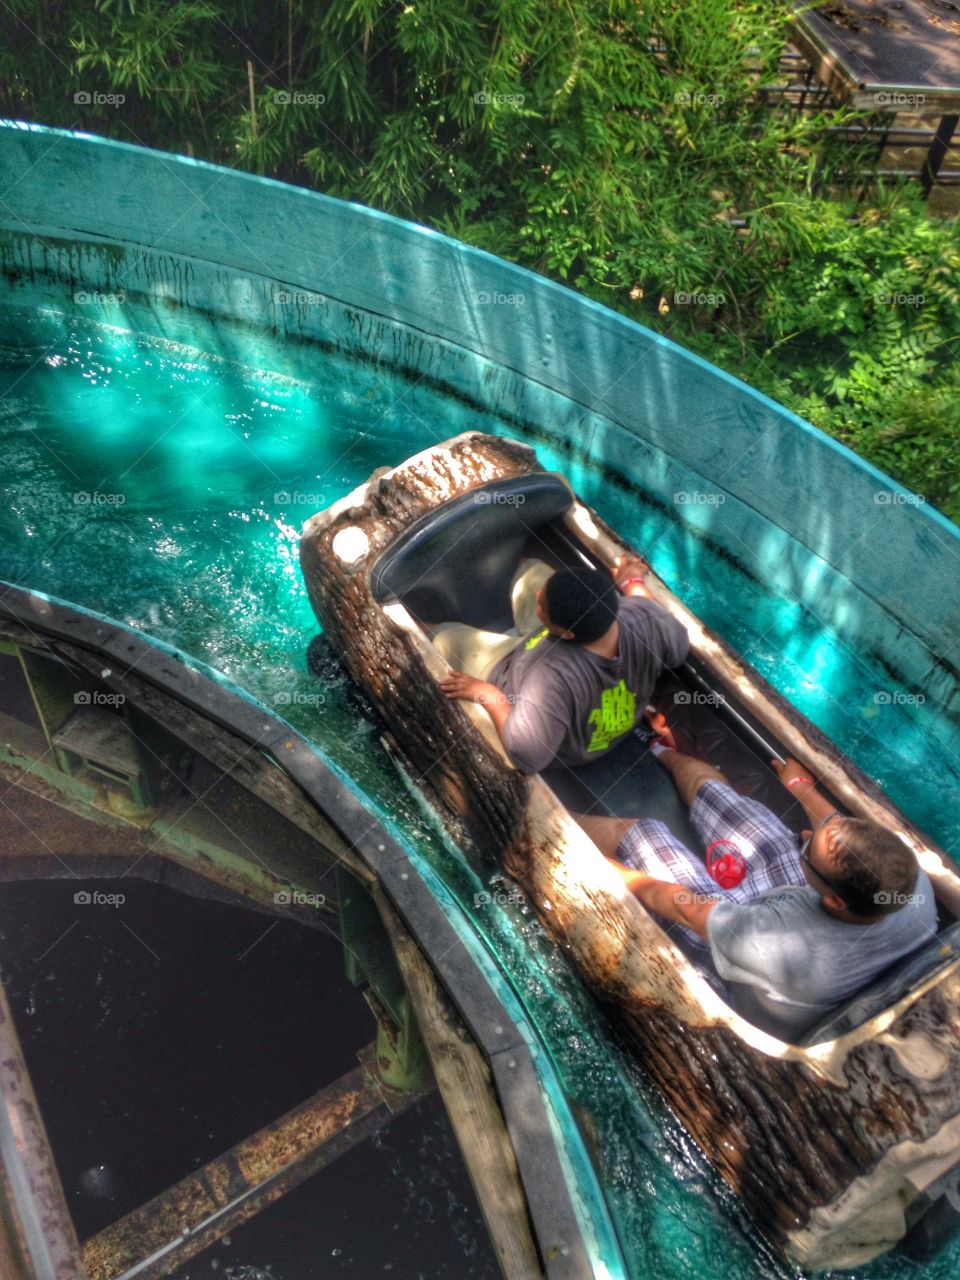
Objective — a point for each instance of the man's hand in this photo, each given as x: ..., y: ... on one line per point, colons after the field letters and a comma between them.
x: 629, y: 573
x: 791, y: 771
x: 469, y: 689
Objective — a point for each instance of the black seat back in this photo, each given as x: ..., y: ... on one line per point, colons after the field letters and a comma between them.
x: 456, y: 563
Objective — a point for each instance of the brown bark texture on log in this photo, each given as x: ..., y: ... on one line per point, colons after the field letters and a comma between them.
x: 481, y: 802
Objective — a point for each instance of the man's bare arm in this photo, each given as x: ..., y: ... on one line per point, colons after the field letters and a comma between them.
x: 798, y: 782
x: 459, y: 685
x: 673, y: 902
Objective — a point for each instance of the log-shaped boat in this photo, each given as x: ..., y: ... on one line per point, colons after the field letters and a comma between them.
x: 841, y: 1146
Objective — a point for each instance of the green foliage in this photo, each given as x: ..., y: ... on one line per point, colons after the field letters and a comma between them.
x: 861, y: 337
x: 639, y: 153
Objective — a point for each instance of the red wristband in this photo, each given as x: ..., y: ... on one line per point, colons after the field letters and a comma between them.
x: 628, y: 582
x: 793, y: 782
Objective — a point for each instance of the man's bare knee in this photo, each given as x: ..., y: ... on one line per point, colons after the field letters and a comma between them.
x: 689, y: 774
x: 606, y: 833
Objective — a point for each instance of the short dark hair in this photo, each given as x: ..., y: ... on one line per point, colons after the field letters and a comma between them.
x: 582, y: 601
x: 875, y: 872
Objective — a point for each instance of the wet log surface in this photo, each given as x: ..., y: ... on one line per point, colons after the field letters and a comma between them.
x: 786, y: 1136
x: 784, y: 1139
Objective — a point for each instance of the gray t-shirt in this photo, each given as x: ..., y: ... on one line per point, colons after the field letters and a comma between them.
x: 570, y: 705
x: 795, y: 961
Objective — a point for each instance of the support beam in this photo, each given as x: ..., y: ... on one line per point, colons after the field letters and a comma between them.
x: 181, y: 1222
x: 188, y: 833
x: 466, y: 1086
x: 37, y: 1239
x: 175, y: 838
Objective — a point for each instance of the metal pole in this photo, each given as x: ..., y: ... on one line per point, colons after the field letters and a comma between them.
x: 938, y: 149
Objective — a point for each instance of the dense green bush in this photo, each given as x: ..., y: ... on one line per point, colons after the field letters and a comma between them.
x: 636, y: 154
x: 861, y: 335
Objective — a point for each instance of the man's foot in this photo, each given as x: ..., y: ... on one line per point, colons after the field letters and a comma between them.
x: 662, y: 733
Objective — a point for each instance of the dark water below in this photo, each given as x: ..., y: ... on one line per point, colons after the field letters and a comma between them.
x: 394, y: 1207
x: 162, y: 1030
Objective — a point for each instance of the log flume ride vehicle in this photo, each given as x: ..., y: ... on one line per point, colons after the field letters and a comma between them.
x: 840, y: 1146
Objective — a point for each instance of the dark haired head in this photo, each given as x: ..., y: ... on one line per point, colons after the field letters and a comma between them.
x: 582, y: 601
x: 874, y: 871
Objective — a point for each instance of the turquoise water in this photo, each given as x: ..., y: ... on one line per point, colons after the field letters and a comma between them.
x: 167, y: 488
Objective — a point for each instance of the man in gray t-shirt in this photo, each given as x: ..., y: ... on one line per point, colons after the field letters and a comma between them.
x: 810, y: 924
x: 569, y: 692
x: 790, y: 960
